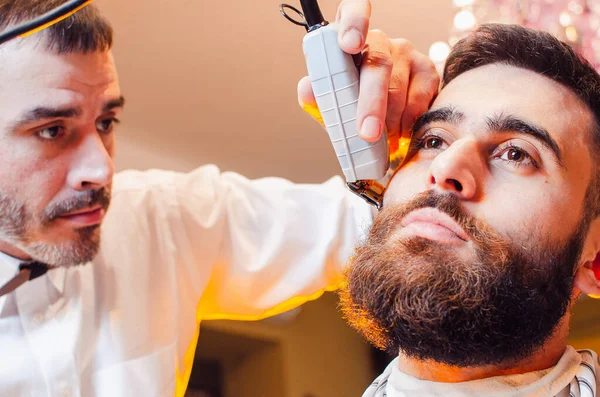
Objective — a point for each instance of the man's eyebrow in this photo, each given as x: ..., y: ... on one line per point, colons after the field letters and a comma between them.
x: 506, y: 123
x: 115, y: 103
x: 445, y: 114
x: 42, y: 113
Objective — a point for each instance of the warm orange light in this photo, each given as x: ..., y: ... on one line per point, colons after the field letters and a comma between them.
x: 359, y: 319
x: 62, y: 17
x: 314, y: 112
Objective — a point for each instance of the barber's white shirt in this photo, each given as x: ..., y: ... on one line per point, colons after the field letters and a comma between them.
x: 176, y: 249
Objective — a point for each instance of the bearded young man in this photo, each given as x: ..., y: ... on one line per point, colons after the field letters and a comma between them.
x: 490, y: 230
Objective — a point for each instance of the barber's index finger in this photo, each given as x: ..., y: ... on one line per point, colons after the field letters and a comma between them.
x: 353, y: 24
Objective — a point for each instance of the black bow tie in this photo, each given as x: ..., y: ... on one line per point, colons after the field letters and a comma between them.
x: 27, y: 272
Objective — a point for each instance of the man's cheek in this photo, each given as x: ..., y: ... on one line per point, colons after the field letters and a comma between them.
x: 509, y: 219
x: 405, y: 185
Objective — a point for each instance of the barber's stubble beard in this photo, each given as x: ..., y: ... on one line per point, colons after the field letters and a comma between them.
x: 18, y: 228
x: 420, y: 298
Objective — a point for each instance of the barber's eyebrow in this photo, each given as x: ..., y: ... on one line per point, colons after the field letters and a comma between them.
x: 42, y: 113
x: 445, y: 114
x: 506, y: 123
x: 113, y: 104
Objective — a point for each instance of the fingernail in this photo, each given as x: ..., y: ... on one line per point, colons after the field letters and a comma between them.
x: 352, y: 38
x: 371, y: 128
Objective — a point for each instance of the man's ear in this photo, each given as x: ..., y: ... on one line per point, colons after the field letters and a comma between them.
x: 587, y: 277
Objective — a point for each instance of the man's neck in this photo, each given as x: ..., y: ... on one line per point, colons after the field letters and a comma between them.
x: 545, y: 357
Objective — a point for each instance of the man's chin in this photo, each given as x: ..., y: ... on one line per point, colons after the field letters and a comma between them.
x: 80, y: 246
x: 425, y: 301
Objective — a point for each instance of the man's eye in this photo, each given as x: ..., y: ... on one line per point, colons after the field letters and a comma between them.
x: 433, y: 143
x: 106, y: 126
x: 430, y: 142
x: 518, y: 156
x: 51, y: 133
x: 515, y: 155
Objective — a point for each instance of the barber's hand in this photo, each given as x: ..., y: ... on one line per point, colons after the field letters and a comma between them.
x: 397, y: 83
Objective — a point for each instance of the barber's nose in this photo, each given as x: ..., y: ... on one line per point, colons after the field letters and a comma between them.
x: 458, y: 170
x: 93, y: 166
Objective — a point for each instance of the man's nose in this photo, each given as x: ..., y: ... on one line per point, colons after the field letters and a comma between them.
x: 458, y: 169
x: 93, y: 166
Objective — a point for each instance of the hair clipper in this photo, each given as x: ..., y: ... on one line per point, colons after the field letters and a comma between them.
x: 334, y: 77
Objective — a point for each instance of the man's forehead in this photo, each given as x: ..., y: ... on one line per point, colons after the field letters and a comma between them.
x: 33, y: 77
x: 494, y: 89
x: 29, y: 61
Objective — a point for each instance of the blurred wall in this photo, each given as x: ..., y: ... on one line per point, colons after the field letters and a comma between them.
x: 215, y: 82
x: 312, y: 353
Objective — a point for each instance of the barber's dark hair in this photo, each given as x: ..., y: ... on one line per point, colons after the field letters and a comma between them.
x: 86, y: 31
x: 539, y: 52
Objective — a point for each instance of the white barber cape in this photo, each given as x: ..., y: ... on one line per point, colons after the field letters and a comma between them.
x: 575, y: 375
x: 176, y: 249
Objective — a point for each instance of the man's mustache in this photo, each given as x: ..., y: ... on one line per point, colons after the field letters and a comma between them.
x: 83, y: 200
x: 448, y: 203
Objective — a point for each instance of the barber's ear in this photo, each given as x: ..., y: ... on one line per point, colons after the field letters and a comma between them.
x: 587, y: 277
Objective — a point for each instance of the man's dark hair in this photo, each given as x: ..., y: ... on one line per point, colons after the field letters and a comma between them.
x: 86, y: 31
x: 539, y: 52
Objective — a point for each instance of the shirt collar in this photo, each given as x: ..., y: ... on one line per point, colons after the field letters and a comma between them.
x: 9, y: 266
x: 535, y: 383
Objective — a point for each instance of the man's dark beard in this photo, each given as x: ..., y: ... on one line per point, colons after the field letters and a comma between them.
x: 419, y: 297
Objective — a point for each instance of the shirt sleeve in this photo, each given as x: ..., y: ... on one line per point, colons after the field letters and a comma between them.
x: 247, y: 249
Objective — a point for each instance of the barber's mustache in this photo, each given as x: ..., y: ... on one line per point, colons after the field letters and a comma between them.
x: 80, y: 201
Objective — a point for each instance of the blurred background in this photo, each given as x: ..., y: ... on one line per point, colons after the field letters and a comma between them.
x: 214, y: 82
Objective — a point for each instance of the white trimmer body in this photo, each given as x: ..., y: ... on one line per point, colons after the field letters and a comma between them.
x: 335, y: 83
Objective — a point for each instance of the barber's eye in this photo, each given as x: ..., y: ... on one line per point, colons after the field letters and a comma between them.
x: 106, y: 126
x: 51, y: 133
